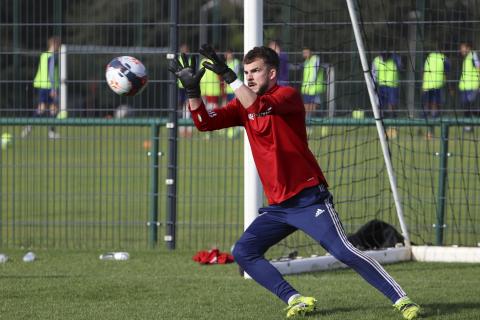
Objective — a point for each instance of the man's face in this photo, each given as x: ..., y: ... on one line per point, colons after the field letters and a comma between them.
x: 54, y: 44
x: 259, y: 76
x: 229, y: 55
x: 464, y: 50
x: 306, y: 53
x: 184, y: 49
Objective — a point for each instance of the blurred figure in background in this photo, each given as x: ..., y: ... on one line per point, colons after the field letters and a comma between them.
x: 234, y: 64
x: 47, y: 83
x: 434, y: 75
x: 283, y: 69
x: 313, y: 84
x: 469, y: 81
x: 385, y: 71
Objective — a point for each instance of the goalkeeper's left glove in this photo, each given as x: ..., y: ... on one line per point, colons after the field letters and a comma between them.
x: 217, y: 64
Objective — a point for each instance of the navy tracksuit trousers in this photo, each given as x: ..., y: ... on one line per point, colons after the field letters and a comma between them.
x: 311, y: 211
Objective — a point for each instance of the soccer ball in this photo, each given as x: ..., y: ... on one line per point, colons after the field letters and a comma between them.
x: 126, y: 76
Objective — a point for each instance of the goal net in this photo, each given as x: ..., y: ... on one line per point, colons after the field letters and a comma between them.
x: 430, y: 129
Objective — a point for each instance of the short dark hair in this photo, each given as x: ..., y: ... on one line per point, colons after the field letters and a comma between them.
x: 269, y: 56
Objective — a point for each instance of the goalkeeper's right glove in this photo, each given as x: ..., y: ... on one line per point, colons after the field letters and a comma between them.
x: 188, y: 75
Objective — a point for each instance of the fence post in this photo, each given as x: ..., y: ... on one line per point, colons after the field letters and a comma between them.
x: 442, y: 180
x: 172, y: 136
x: 153, y: 218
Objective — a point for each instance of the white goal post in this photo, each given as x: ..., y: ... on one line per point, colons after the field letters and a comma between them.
x: 252, y: 187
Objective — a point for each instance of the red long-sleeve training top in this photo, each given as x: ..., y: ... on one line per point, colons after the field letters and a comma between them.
x: 275, y: 125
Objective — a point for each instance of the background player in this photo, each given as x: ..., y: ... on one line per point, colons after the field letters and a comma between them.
x: 385, y: 71
x: 312, y: 83
x: 46, y: 82
x: 435, y: 70
x: 282, y: 77
x: 469, y: 83
x: 274, y: 120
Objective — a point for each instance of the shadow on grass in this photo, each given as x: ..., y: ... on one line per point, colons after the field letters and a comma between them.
x: 429, y: 310
x: 436, y: 265
x: 325, y: 312
x: 439, y: 309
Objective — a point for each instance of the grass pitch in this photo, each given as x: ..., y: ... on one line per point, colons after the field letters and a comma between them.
x: 160, y: 285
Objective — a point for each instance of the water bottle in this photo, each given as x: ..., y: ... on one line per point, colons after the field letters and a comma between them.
x: 29, y: 257
x: 106, y: 256
x: 115, y: 256
x: 3, y: 258
x: 121, y: 255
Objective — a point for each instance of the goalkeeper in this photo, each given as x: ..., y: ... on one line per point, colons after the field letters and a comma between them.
x: 274, y: 119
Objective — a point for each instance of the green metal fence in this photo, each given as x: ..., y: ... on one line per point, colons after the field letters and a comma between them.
x: 100, y: 184
x: 89, y: 188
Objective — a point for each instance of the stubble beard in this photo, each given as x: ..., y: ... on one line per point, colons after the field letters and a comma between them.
x: 262, y: 89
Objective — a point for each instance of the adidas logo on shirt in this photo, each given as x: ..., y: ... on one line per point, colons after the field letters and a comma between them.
x: 319, y: 212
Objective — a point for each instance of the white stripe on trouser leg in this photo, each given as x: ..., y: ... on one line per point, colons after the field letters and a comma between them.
x: 358, y: 253
x: 361, y: 255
